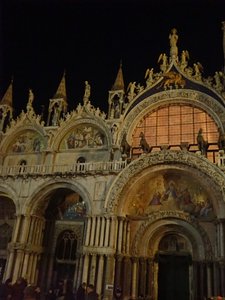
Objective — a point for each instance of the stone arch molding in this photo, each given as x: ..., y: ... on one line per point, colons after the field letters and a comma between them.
x: 167, y: 158
x: 39, y: 202
x: 202, y: 248
x: 199, y: 99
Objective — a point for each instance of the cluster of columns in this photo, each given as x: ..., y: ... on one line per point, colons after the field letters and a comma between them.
x: 208, y: 279
x: 25, y: 248
x: 135, y: 276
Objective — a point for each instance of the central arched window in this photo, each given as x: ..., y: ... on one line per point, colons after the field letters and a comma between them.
x: 175, y: 124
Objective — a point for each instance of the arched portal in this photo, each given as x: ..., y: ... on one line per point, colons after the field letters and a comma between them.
x: 7, y: 220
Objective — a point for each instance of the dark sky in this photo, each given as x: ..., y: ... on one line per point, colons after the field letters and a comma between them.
x: 41, y: 39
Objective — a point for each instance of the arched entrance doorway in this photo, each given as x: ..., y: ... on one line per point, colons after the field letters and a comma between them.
x: 63, y: 235
x: 7, y: 220
x: 174, y: 274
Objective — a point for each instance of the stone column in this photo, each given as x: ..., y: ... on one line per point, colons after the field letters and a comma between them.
x: 17, y: 228
x: 101, y: 243
x: 134, y: 278
x: 150, y: 279
x: 120, y: 237
x: 215, y: 279
x: 118, y: 266
x: 88, y: 230
x: 85, y: 268
x: 97, y: 236
x: 124, y: 240
x: 112, y: 232
x: 92, y: 231
x: 100, y: 272
x: 128, y: 238
x: 92, y: 269
x: 106, y: 240
x: 143, y: 276
x: 109, y: 276
x: 222, y: 278
x: 127, y: 277
x: 209, y: 279
x: 10, y: 264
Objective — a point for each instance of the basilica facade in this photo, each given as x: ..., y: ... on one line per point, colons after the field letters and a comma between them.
x: 133, y: 200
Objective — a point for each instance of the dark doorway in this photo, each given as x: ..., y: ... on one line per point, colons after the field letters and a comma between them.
x: 173, y: 277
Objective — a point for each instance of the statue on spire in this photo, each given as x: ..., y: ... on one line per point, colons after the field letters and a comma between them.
x: 87, y: 92
x: 30, y: 101
x: 173, y: 37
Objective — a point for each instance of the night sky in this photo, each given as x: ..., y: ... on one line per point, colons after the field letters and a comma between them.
x: 88, y: 39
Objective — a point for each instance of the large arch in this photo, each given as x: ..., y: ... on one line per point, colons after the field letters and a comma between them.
x: 207, y: 173
x: 199, y: 99
x: 39, y: 201
x: 163, y: 222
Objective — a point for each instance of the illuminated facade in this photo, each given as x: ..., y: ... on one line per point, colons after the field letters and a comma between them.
x: 132, y: 200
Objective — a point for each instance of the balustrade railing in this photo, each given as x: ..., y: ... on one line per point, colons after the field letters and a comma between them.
x: 78, y: 168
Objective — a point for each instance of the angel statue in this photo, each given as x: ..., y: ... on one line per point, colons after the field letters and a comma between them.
x: 164, y: 59
x: 131, y: 90
x: 198, y: 69
x: 184, y: 58
x: 218, y: 77
x: 149, y: 77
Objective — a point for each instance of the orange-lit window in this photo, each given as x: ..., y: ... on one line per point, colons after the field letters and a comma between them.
x: 175, y: 124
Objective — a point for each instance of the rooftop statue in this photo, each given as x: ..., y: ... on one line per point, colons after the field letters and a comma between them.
x: 163, y: 58
x: 87, y: 91
x: 173, y: 37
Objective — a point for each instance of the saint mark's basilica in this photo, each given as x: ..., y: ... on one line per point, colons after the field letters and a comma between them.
x: 132, y: 199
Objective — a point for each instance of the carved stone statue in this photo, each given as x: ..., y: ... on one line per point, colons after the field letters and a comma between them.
x: 131, y: 90
x: 184, y: 58
x: 173, y: 37
x: 87, y: 91
x: 202, y: 144
x: 164, y: 59
x: 30, y: 101
x: 125, y: 147
x: 144, y: 144
x: 149, y: 77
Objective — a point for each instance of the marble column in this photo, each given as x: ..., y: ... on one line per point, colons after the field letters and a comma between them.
x: 112, y: 232
x: 93, y: 222
x: 222, y: 278
x: 118, y: 267
x: 150, y: 279
x: 100, y: 274
x: 88, y: 230
x: 97, y: 236
x: 92, y: 269
x: 134, y: 278
x: 102, y: 232
x: 142, y: 275
x: 85, y: 268
x: 106, y: 240
x: 127, y: 277
x: 109, y: 276
x: 215, y: 278
x: 120, y: 236
x: 209, y: 279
